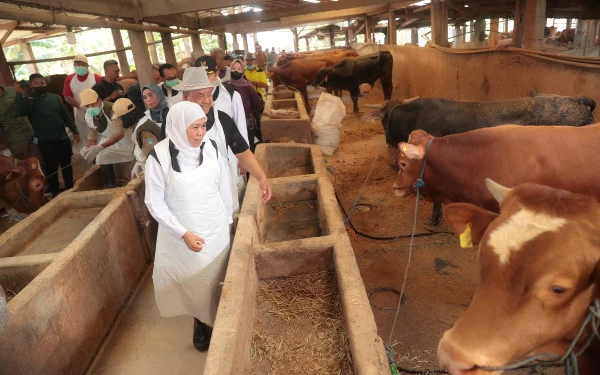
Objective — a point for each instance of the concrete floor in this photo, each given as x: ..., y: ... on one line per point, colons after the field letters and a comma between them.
x: 144, y: 343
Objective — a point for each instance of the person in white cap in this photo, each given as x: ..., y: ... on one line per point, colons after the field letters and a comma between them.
x: 74, y: 84
x: 197, y: 88
x: 107, y: 142
x: 187, y: 192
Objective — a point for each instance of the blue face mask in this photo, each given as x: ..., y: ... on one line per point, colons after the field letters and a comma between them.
x: 172, y: 82
x: 81, y: 70
x: 250, y: 67
x: 94, y: 111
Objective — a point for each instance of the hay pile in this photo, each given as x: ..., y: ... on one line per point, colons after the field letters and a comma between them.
x: 299, y: 327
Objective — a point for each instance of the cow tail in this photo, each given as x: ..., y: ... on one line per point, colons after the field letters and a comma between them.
x: 589, y: 102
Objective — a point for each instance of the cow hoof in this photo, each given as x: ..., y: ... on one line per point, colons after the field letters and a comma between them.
x: 432, y: 222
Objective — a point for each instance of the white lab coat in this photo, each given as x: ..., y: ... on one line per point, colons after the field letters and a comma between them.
x: 187, y: 282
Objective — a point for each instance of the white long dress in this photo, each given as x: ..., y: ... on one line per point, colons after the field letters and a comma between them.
x: 186, y: 282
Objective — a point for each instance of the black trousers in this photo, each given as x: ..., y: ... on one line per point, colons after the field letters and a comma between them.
x: 57, y: 153
x: 251, y: 127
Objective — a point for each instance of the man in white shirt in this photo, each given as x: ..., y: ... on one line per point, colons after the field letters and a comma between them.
x: 170, y: 78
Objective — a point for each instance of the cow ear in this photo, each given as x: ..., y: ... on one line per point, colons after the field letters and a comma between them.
x: 411, y: 151
x: 469, y: 222
x: 11, y: 173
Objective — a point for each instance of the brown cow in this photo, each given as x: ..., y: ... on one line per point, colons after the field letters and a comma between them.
x: 297, y: 74
x: 558, y: 156
x: 539, y: 274
x: 22, y: 184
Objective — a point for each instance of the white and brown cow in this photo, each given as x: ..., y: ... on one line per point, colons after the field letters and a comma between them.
x: 539, y: 272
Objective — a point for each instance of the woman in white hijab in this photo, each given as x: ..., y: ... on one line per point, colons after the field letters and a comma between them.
x: 188, y: 193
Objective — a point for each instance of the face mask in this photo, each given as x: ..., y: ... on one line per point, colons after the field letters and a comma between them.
x: 250, y: 67
x: 172, y: 82
x: 94, y: 111
x: 40, y: 90
x: 129, y: 119
x: 236, y: 75
x: 81, y: 70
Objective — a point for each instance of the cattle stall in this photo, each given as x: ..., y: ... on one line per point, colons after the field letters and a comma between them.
x: 285, y: 118
x: 70, y: 267
x: 297, y: 238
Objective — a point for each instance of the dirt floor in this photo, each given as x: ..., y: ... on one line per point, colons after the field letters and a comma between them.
x: 441, y: 277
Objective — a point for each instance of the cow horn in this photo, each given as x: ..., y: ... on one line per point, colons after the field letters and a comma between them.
x: 498, y: 191
x: 408, y: 101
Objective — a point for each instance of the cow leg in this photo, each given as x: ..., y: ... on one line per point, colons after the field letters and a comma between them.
x: 436, y: 214
x: 354, y: 96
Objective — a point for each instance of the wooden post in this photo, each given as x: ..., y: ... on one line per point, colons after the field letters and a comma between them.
x: 414, y: 36
x: 141, y: 57
x: 392, y: 28
x: 197, y: 49
x: 368, y: 29
x: 459, y: 37
x: 255, y: 38
x: 518, y: 29
x: 295, y: 37
x: 222, y: 42
x: 307, y: 45
x: 28, y: 55
x: 493, y: 38
x: 439, y: 23
x: 245, y: 41
x: 6, y: 78
x: 152, y: 47
x: 169, y: 48
x: 534, y: 21
x: 569, y: 23
x: 122, y: 56
x: 235, y: 45
x: 331, y: 37
x: 186, y: 47
x: 593, y: 34
x: 506, y: 25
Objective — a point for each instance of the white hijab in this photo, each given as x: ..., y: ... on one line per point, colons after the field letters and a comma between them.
x: 180, y: 117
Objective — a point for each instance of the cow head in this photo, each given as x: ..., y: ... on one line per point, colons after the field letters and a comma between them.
x: 539, y: 272
x: 412, y: 155
x: 321, y: 77
x: 22, y: 187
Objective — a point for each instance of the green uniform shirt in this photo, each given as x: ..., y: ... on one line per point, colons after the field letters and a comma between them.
x: 49, y: 116
x: 18, y: 128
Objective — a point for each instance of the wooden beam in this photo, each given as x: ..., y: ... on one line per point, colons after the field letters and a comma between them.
x: 295, y: 37
x: 368, y: 29
x: 95, y: 7
x: 62, y: 19
x: 518, y: 24
x: 179, y: 20
x: 8, y: 32
x: 6, y: 78
x: 151, y: 47
x: 9, y: 25
x: 169, y: 48
x: 39, y: 61
x: 197, y: 49
x: 141, y: 57
x: 493, y: 38
x: 245, y: 41
x: 121, y: 55
x: 27, y: 52
x: 391, y: 28
x: 153, y: 8
x: 439, y: 23
x: 533, y: 22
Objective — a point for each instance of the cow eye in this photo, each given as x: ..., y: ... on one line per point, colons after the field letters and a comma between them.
x: 402, y: 164
x: 557, y: 289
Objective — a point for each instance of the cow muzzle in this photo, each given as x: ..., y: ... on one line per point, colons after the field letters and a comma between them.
x: 458, y: 364
x: 403, y: 191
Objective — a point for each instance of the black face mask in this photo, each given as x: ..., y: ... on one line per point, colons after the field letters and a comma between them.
x: 236, y: 75
x: 130, y: 119
x: 40, y: 90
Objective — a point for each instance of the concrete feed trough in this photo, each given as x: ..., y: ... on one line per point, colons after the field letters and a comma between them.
x: 291, y: 125
x: 298, y: 233
x: 72, y: 265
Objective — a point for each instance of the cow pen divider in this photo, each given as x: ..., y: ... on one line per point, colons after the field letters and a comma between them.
x: 291, y: 128
x: 299, y: 232
x: 69, y: 294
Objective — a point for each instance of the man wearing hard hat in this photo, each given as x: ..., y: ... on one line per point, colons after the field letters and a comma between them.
x: 108, y: 142
x: 74, y: 84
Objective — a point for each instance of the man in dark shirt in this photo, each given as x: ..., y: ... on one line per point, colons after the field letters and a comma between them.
x: 197, y: 88
x: 109, y: 89
x: 49, y: 118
